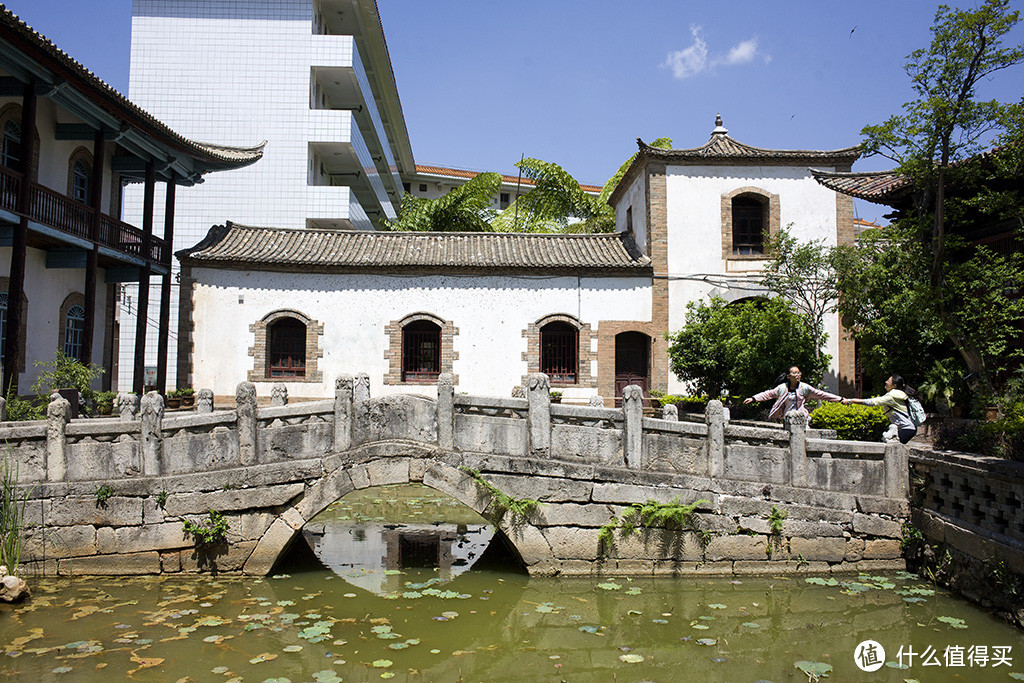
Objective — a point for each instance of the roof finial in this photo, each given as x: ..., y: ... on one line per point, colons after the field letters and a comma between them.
x: 719, y: 128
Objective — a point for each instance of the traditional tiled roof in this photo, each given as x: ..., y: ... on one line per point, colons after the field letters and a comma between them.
x: 880, y: 187
x: 721, y: 146
x: 20, y: 34
x: 508, y: 179
x: 311, y: 250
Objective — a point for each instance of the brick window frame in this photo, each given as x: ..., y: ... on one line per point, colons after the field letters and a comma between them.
x: 770, y: 223
x: 584, y: 355
x: 22, y: 328
x: 259, y: 350
x: 393, y: 350
x: 72, y: 300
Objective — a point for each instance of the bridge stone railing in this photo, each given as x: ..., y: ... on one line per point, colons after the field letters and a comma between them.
x: 152, y: 443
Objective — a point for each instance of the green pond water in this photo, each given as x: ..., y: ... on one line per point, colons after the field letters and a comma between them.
x: 413, y: 594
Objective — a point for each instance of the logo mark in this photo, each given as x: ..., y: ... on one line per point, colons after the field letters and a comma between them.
x: 869, y: 655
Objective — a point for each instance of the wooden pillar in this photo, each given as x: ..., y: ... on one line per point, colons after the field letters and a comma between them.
x: 16, y: 313
x: 92, y: 258
x: 142, y: 312
x: 165, y: 290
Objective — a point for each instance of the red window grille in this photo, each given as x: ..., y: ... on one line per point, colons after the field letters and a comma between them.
x: 747, y: 226
x: 559, y: 347
x: 287, y: 348
x: 421, y: 351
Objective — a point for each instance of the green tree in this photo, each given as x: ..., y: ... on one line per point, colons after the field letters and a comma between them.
x: 63, y: 372
x: 739, y: 348
x: 466, y: 208
x: 938, y: 132
x: 803, y: 273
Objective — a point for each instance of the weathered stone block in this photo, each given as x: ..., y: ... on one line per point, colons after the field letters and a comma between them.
x: 882, y: 549
x: 149, y: 537
x: 533, y: 547
x: 223, y: 559
x: 854, y: 550
x: 739, y: 547
x: 262, y: 558
x: 756, y: 463
x: 321, y: 494
x: 579, y: 568
x: 170, y: 562
x: 876, y: 526
x: 116, y: 511
x: 755, y: 524
x: 626, y: 494
x: 179, y: 504
x: 456, y: 484
x: 823, y: 549
x: 121, y: 564
x: 810, y: 529
x: 545, y: 489
x: 562, y: 514
x: 152, y: 513
x: 417, y: 467
x: 360, y: 477
x: 384, y: 472
x: 630, y: 567
x: 572, y: 542
x: 60, y: 541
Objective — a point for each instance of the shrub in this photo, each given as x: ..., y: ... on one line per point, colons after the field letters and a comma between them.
x: 65, y: 371
x: 1003, y: 438
x: 852, y: 422
x: 685, y: 404
x: 105, y: 401
x: 19, y: 410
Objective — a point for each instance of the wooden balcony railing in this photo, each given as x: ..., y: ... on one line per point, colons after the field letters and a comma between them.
x: 57, y: 211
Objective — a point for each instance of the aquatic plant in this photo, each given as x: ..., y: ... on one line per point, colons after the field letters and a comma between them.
x: 103, y: 494
x: 12, y: 516
x: 670, y: 517
x: 502, y: 503
x: 208, y: 533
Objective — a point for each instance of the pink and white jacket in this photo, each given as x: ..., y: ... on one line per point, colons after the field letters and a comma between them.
x: 803, y: 392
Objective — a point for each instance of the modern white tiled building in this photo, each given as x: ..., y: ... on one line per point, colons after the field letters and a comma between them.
x: 311, y: 77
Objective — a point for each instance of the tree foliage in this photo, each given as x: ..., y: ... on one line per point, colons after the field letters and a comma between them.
x: 803, y: 273
x: 740, y: 348
x: 65, y: 372
x: 556, y: 203
x: 466, y: 208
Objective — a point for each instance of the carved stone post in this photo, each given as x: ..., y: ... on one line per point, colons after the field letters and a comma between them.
x: 361, y: 391
x: 152, y: 413
x: 245, y: 407
x: 796, y: 425
x: 58, y: 414
x: 714, y: 416
x: 127, y: 406
x: 670, y: 412
x: 596, y: 402
x: 204, y: 401
x: 279, y: 395
x: 446, y: 411
x: 3, y: 409
x: 897, y: 470
x: 632, y: 423
x: 538, y: 414
x: 343, y: 413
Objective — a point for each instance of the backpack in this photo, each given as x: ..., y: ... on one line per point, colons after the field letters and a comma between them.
x: 916, y: 411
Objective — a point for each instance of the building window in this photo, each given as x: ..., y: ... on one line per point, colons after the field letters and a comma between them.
x: 11, y: 153
x: 423, y: 187
x: 407, y: 187
x: 3, y: 325
x: 747, y: 225
x: 80, y: 182
x: 559, y: 345
x: 286, y: 348
x: 421, y: 351
x: 74, y: 326
x: 503, y: 200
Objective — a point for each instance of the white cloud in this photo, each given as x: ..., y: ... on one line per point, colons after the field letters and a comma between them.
x: 694, y: 59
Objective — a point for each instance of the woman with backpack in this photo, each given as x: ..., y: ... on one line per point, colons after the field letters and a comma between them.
x: 791, y: 394
x: 898, y: 406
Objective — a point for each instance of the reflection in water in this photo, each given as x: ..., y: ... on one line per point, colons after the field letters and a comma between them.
x: 362, y: 552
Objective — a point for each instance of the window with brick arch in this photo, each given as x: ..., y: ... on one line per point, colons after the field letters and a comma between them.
x: 421, y: 351
x: 748, y: 221
x: 74, y: 328
x: 559, y: 352
x: 286, y: 348
x: 80, y: 182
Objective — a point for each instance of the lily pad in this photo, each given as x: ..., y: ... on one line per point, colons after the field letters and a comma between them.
x: 382, y: 663
x: 292, y: 648
x: 953, y: 621
x: 707, y: 641
x: 631, y: 658
x: 265, y: 657
x: 750, y: 624
x: 813, y: 669
x: 717, y: 605
x: 609, y: 586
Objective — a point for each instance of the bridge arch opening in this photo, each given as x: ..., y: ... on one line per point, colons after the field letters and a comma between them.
x: 374, y: 536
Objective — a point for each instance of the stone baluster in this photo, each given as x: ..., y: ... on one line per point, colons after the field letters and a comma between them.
x: 796, y: 425
x: 897, y: 470
x: 343, y: 413
x: 127, y: 406
x: 538, y: 415
x: 446, y: 411
x: 361, y: 391
x: 3, y: 409
x: 245, y: 407
x: 632, y: 423
x: 279, y: 395
x: 204, y: 401
x: 714, y: 417
x: 152, y: 414
x: 58, y: 414
x: 670, y: 412
x: 596, y: 402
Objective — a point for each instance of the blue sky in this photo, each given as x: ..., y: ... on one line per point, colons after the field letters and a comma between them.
x: 483, y: 83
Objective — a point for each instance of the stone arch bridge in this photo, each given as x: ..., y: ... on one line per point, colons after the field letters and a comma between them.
x: 109, y: 496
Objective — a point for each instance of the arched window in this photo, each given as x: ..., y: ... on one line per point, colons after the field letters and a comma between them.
x: 748, y: 223
x: 421, y: 351
x: 286, y: 348
x: 80, y: 182
x: 559, y: 352
x: 10, y: 155
x: 74, y: 326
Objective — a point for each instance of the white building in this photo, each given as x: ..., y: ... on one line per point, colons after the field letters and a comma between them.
x: 69, y: 144
x: 431, y: 182
x: 311, y: 77
x: 591, y: 311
